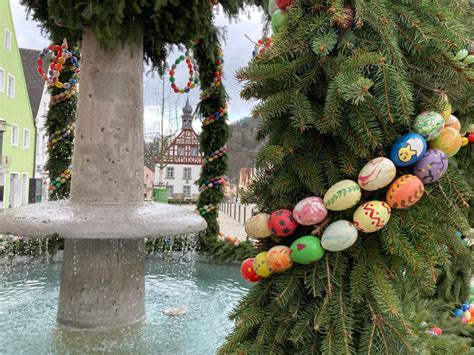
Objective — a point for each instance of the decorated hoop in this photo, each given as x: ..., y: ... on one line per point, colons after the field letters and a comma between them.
x: 193, y: 74
x: 58, y: 63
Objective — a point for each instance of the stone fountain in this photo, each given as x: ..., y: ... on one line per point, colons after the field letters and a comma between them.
x: 105, y: 221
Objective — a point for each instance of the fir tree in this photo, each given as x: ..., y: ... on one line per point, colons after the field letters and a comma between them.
x: 341, y: 83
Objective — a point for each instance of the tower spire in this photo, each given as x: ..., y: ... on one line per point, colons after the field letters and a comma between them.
x: 187, y: 117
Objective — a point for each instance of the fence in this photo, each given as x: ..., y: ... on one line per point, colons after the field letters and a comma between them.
x: 240, y: 213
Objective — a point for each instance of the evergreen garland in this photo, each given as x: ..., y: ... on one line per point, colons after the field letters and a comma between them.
x: 332, y: 97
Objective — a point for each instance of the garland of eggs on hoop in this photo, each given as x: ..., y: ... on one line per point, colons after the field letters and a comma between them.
x: 193, y: 71
x: 440, y: 130
x: 61, y: 59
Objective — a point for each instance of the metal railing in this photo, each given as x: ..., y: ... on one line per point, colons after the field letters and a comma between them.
x: 240, y: 213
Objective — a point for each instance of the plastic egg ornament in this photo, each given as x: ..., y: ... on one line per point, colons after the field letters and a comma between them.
x: 282, y: 224
x: 405, y: 192
x: 449, y: 141
x: 376, y: 174
x: 429, y: 124
x: 408, y: 149
x: 306, y: 250
x: 247, y: 271
x: 372, y: 216
x: 339, y: 235
x: 279, y: 259
x: 260, y: 265
x: 342, y: 195
x: 257, y: 226
x: 453, y: 122
x: 432, y: 166
x: 310, y: 211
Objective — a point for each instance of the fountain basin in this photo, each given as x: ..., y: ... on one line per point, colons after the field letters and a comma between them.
x: 100, y: 221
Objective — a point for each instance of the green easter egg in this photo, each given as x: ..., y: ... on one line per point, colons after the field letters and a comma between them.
x: 460, y: 55
x: 279, y: 21
x: 306, y: 250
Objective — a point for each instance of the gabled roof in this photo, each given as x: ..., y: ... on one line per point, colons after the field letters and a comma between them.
x: 34, y: 83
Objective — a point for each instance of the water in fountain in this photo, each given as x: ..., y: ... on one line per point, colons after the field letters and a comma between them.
x: 29, y: 295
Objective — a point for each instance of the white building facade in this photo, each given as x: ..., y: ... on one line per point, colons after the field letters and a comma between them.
x: 183, y: 161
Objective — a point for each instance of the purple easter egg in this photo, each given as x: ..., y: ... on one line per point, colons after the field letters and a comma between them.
x: 431, y: 166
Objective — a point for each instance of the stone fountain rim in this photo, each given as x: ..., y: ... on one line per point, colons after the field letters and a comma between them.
x: 70, y: 220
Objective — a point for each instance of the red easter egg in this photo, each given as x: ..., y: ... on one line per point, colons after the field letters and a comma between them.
x: 248, y: 272
x: 282, y: 223
x: 283, y: 4
x: 405, y: 191
x: 470, y: 137
x: 437, y: 330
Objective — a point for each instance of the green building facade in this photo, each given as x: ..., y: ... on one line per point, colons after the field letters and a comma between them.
x: 17, y: 127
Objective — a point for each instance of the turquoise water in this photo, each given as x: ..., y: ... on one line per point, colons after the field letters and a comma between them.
x: 28, y: 301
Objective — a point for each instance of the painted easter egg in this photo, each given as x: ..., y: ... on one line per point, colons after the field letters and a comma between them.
x: 310, y: 211
x: 376, y: 174
x: 453, y: 122
x: 408, y: 149
x: 260, y: 265
x: 405, y: 191
x: 429, y: 124
x: 446, y: 108
x: 282, y: 223
x: 283, y: 4
x: 306, y: 250
x: 257, y: 226
x: 248, y: 272
x: 449, y: 141
x: 432, y: 166
x: 272, y: 7
x: 279, y: 21
x: 278, y: 258
x: 372, y: 216
x: 339, y: 235
x: 342, y: 195
x: 458, y: 313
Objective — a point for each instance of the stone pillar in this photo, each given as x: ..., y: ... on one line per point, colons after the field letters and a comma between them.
x: 102, y: 281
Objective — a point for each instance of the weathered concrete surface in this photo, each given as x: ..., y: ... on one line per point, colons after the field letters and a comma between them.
x: 102, y: 283
x: 100, y: 221
x: 108, y: 145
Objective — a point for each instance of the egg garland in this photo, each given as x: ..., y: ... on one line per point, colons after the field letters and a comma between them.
x: 213, y: 156
x: 193, y: 74
x: 408, y: 149
x: 217, y: 81
x: 465, y: 313
x: 61, y: 59
x: 206, y: 209
x: 215, y: 116
x: 369, y: 217
x: 429, y: 124
x: 212, y: 183
x: 59, y: 135
x: 59, y: 181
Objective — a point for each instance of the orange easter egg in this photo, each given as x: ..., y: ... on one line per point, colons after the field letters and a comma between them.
x: 453, y: 122
x: 405, y: 191
x: 449, y: 141
x: 278, y: 258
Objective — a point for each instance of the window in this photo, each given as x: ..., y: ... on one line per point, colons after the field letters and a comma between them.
x: 8, y: 39
x: 26, y: 138
x: 15, y: 135
x: 11, y: 86
x: 194, y: 152
x: 2, y: 80
x: 180, y: 151
x: 187, y: 191
x: 187, y: 174
x: 170, y: 190
x: 169, y: 173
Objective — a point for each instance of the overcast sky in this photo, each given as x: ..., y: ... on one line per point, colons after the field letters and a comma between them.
x: 237, y: 53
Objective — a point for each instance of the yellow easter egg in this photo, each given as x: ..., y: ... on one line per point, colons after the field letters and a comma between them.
x: 446, y: 109
x: 372, y: 216
x: 260, y: 265
x: 449, y: 141
x: 464, y: 141
x: 342, y: 195
x: 453, y: 122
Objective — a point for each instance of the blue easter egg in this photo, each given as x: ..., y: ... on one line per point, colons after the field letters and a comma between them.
x: 465, y: 307
x: 458, y: 313
x: 408, y: 149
